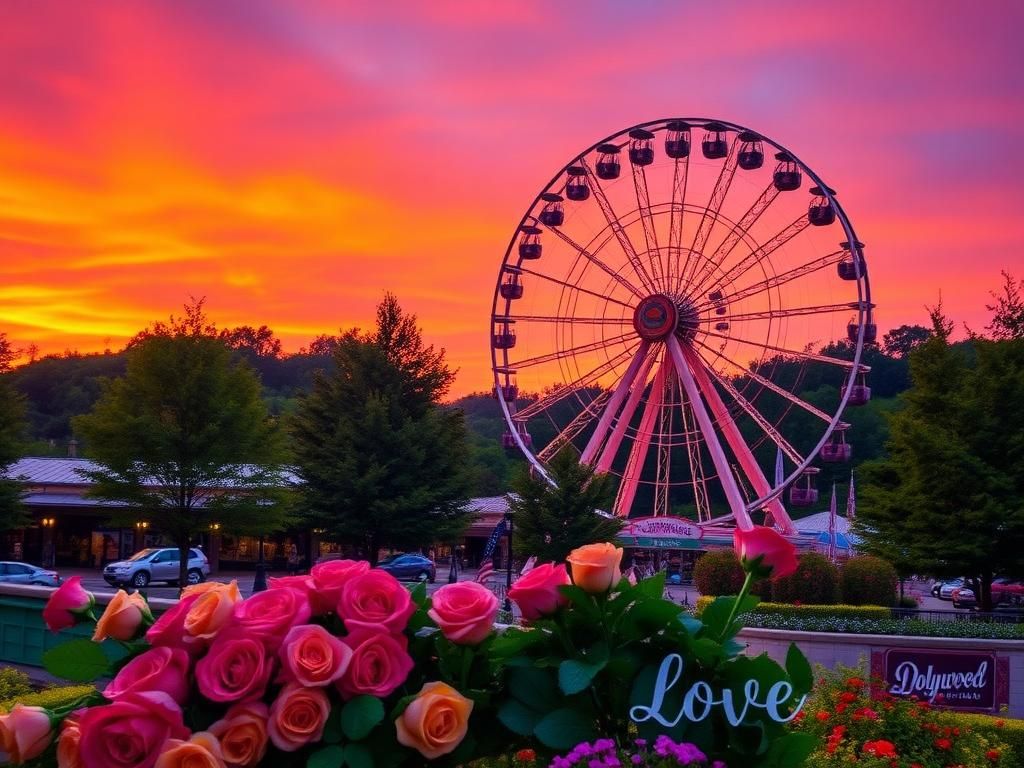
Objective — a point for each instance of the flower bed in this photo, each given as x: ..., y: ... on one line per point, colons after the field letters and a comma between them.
x: 855, y: 722
x: 873, y: 612
x: 346, y: 667
x: 908, y: 627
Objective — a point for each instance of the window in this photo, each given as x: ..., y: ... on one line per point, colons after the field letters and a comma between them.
x: 167, y: 556
x: 16, y: 569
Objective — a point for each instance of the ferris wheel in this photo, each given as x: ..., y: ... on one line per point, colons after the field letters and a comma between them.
x: 668, y: 300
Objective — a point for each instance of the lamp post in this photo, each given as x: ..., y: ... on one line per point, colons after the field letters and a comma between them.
x: 48, y: 523
x: 259, y: 584
x: 508, y: 574
x: 453, y: 569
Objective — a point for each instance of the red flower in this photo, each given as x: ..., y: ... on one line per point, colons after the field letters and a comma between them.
x: 1000, y: 723
x: 526, y: 755
x: 854, y: 682
x: 880, y: 748
x: 821, y: 716
x: 993, y: 755
x: 840, y: 708
x: 764, y: 551
x: 943, y: 744
x: 848, y: 697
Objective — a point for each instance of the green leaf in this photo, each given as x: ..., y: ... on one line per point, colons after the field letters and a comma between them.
x: 575, y: 676
x: 358, y: 756
x: 652, y: 586
x: 791, y: 749
x: 799, y: 670
x: 332, y: 728
x: 518, y: 717
x: 716, y: 614
x: 565, y: 728
x: 534, y: 687
x: 512, y: 642
x: 419, y: 594
x: 328, y: 757
x: 581, y: 601
x: 690, y: 624
x: 80, y: 660
x: 360, y: 715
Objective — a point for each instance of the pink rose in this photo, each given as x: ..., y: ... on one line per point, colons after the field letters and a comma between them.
x: 297, y: 717
x: 158, y: 669
x: 201, y: 751
x: 25, y: 733
x: 269, y: 615
x: 303, y: 584
x: 242, y: 733
x: 380, y: 663
x: 131, y: 732
x: 764, y: 551
x: 375, y: 600
x: 465, y: 612
x: 237, y: 668
x: 68, y: 605
x: 537, y: 593
x: 330, y: 577
x: 169, y: 629
x: 68, y: 753
x: 312, y: 656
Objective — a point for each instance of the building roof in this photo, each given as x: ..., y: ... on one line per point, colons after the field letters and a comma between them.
x: 818, y: 523
x: 36, y: 470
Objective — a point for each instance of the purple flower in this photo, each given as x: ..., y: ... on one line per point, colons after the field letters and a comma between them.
x: 641, y: 743
x: 596, y: 763
x: 604, y: 744
x: 636, y: 759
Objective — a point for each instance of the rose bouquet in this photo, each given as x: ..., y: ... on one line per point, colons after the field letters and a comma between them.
x: 346, y: 667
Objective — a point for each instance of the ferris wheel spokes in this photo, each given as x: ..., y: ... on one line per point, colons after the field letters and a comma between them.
x: 697, y: 475
x: 589, y: 379
x: 710, y: 215
x: 641, y: 444
x: 611, y: 447
x: 613, y: 405
x: 643, y: 201
x: 777, y: 281
x: 775, y: 314
x: 707, y: 428
x: 574, y: 427
x: 590, y: 347
x: 592, y: 258
x: 572, y: 287
x: 756, y: 256
x: 677, y: 208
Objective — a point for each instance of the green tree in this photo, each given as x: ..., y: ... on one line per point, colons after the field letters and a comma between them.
x: 947, y: 498
x: 1008, y: 311
x: 551, y: 521
x: 184, y: 439
x: 383, y: 462
x: 12, y: 411
x: 901, y: 341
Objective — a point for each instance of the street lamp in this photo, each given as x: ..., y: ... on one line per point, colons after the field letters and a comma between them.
x: 48, y: 523
x: 508, y: 574
x: 259, y: 584
x: 453, y: 568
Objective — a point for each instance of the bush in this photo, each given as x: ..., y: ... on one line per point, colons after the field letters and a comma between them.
x: 1010, y: 732
x: 905, y: 627
x: 50, y: 698
x: 868, y: 580
x: 719, y: 572
x: 13, y: 683
x: 815, y: 582
x: 788, y: 610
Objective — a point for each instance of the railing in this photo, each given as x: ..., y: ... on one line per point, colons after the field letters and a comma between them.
x: 994, y: 617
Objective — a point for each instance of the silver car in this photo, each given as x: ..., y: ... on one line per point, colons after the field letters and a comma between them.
x: 23, y: 573
x: 156, y: 565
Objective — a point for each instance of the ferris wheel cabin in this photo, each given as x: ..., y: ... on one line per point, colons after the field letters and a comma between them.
x: 846, y: 268
x: 576, y: 188
x: 820, y: 212
x: 870, y: 330
x: 837, y: 450
x: 529, y: 243
x: 508, y: 440
x: 641, y: 148
x: 787, y: 175
x: 508, y: 390
x: 553, y: 214
x: 607, y: 167
x: 511, y: 287
x: 677, y: 139
x: 504, y: 336
x: 804, y: 493
x: 715, y: 145
x: 860, y: 392
x: 751, y: 154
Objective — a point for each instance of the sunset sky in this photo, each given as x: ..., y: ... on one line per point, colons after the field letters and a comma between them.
x: 291, y: 161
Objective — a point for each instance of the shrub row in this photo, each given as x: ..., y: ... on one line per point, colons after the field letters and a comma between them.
x: 907, y: 627
x: 13, y: 683
x: 864, y: 580
x: 50, y: 698
x: 1008, y: 731
x: 787, y: 610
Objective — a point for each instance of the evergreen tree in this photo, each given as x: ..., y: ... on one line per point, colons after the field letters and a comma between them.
x: 947, y: 498
x: 12, y: 513
x: 383, y: 462
x: 549, y: 521
x: 183, y: 424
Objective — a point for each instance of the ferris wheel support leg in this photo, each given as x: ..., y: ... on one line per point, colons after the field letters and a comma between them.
x: 707, y: 428
x: 604, y: 461
x: 638, y: 453
x: 613, y: 405
x: 738, y: 445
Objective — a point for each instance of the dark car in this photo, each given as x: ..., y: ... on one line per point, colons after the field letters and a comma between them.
x: 409, y: 567
x: 23, y: 573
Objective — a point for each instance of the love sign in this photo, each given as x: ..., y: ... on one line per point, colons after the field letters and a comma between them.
x: 700, y: 698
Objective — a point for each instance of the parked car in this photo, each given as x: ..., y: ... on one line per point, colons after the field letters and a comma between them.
x: 23, y: 573
x: 156, y: 565
x: 409, y: 567
x: 1004, y: 593
x: 963, y: 597
x: 944, y: 589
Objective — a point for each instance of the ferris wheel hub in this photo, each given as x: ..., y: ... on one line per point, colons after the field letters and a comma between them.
x: 659, y: 316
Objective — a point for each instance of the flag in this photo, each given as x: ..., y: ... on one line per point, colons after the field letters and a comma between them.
x: 487, y: 563
x: 832, y: 525
x: 780, y: 475
x: 851, y: 501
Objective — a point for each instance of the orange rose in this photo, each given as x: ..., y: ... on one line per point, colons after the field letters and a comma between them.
x: 124, y: 618
x: 68, y: 754
x: 211, y: 610
x: 201, y: 751
x: 436, y: 721
x: 202, y: 588
x: 595, y: 567
x: 243, y: 733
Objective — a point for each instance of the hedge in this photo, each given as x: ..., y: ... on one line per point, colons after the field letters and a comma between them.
x: 1001, y: 728
x: 874, y: 612
x: 907, y: 627
x: 58, y: 696
x: 868, y: 580
x: 815, y: 582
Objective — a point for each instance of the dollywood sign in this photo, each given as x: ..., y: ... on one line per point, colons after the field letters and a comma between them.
x: 699, y: 699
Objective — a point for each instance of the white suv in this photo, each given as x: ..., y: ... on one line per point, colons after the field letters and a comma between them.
x: 156, y: 565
